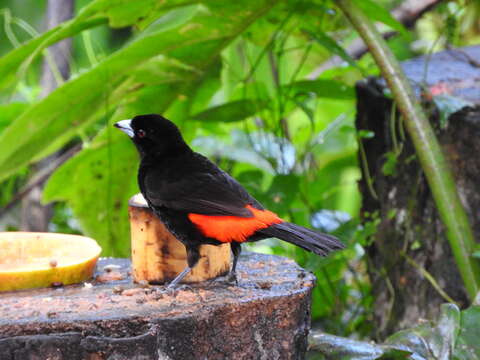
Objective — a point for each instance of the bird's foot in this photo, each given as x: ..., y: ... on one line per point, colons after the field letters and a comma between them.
x: 174, y: 289
x: 171, y: 290
x: 232, y: 279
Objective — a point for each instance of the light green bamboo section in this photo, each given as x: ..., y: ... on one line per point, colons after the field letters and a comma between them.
x: 432, y: 160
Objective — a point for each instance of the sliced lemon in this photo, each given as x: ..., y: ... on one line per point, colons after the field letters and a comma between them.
x: 31, y: 260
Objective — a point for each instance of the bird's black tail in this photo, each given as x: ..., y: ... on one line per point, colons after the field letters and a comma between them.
x: 318, y: 243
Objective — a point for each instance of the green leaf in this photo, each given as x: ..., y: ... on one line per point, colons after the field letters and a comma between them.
x: 468, y: 346
x: 13, y: 63
x: 230, y: 112
x: 365, y: 134
x: 78, y: 102
x: 279, y: 152
x: 431, y: 340
x: 282, y: 192
x: 251, y: 180
x: 203, y: 92
x: 395, y: 354
x: 377, y: 12
x: 123, y: 13
x: 323, y: 88
x: 213, y: 147
x: 151, y: 74
x: 153, y: 22
x: 9, y: 112
x: 335, y: 347
x: 96, y: 183
x: 328, y: 43
x: 448, y: 105
x: 118, y: 13
x: 425, y: 341
x: 389, y: 167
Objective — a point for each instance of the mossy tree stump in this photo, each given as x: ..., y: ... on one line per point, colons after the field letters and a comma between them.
x: 410, y: 238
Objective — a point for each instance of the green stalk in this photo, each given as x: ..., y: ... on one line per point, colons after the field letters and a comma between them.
x: 432, y: 160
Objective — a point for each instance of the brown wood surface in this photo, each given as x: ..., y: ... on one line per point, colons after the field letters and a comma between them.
x: 267, y: 316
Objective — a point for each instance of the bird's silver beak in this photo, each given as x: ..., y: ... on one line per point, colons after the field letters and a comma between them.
x: 124, y: 125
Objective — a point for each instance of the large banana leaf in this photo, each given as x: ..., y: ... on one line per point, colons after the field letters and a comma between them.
x: 169, y: 62
x: 71, y: 106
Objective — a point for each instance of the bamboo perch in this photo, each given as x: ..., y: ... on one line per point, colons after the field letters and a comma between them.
x: 157, y: 256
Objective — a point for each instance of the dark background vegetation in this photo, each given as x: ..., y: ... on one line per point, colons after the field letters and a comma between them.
x: 264, y: 88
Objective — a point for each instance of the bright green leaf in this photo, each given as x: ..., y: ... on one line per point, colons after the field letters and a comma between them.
x: 9, y: 112
x: 282, y: 192
x: 229, y: 112
x: 151, y: 76
x: 365, y: 134
x: 105, y: 174
x: 13, y: 63
x: 389, y: 167
x: 375, y: 11
x: 328, y: 43
x: 77, y: 102
x: 322, y: 88
x: 119, y: 13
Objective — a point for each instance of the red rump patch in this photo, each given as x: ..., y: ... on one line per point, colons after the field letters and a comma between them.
x: 233, y: 228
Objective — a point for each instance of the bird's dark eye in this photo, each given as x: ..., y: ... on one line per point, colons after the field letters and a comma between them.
x: 141, y: 133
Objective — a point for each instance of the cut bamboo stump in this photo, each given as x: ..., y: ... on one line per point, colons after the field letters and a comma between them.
x: 157, y: 256
x: 266, y: 317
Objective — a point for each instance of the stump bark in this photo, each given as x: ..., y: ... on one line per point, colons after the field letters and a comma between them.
x: 157, y: 255
x: 410, y: 238
x: 267, y: 316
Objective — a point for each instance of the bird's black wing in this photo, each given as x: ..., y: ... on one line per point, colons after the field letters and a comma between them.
x: 203, y: 190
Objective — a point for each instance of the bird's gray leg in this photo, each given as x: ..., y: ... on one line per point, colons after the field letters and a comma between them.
x: 179, y: 278
x: 193, y: 256
x: 236, y: 250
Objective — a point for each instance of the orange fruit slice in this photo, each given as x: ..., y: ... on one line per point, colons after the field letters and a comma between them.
x: 31, y: 260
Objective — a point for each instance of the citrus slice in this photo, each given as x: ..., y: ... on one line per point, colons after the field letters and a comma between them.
x: 31, y: 260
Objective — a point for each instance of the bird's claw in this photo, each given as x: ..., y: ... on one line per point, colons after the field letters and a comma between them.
x: 232, y: 278
x: 184, y: 287
x: 173, y: 289
x: 170, y: 291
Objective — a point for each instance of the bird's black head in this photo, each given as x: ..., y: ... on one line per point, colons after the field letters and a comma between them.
x: 153, y: 135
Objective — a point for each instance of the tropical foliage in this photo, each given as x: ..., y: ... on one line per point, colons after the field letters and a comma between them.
x: 251, y: 84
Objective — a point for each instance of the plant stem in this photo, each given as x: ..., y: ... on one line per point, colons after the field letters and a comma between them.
x: 432, y: 160
x: 429, y: 278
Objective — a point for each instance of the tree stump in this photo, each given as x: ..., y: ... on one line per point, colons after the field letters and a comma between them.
x: 410, y: 237
x: 158, y: 257
x: 267, y: 316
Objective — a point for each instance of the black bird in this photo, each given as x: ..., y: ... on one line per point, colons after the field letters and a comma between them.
x: 200, y: 203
